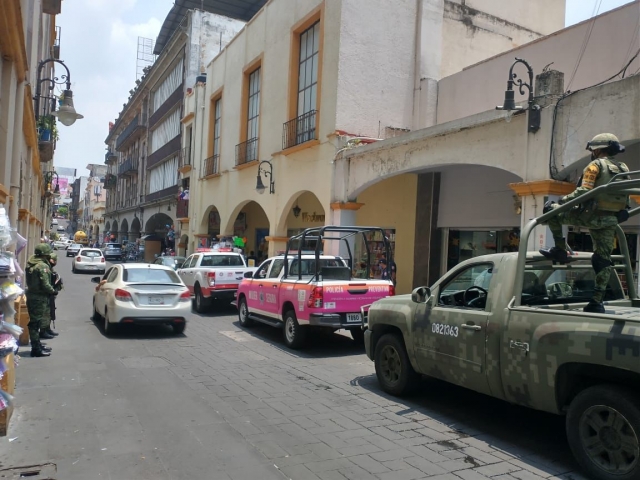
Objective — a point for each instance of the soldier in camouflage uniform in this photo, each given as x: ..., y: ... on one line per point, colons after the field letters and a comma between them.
x: 600, y: 216
x: 39, y: 289
x: 45, y: 328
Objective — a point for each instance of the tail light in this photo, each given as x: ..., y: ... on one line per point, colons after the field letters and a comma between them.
x: 211, y: 278
x: 185, y: 296
x: 392, y: 291
x: 315, y: 299
x: 123, y: 295
x: 78, y: 259
x: 102, y: 260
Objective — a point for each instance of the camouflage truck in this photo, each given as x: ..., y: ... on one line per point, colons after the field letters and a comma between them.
x: 512, y: 326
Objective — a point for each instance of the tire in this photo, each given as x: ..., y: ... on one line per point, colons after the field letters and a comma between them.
x: 201, y: 304
x: 294, y: 335
x: 358, y: 335
x: 243, y: 313
x: 393, y: 368
x: 603, y: 429
x: 178, y: 328
x: 73, y: 270
x: 108, y: 328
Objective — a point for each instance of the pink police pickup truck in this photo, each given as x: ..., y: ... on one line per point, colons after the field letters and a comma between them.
x: 297, y: 290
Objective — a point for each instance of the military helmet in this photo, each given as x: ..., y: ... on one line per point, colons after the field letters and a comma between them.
x: 603, y: 140
x: 54, y: 256
x: 43, y: 250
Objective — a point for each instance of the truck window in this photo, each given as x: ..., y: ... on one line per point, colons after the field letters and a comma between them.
x: 222, y: 261
x: 467, y: 288
x: 544, y: 285
x: 276, y: 268
x: 308, y: 265
x: 262, y: 270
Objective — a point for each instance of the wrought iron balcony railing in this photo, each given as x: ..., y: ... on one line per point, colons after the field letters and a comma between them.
x: 299, y: 130
x: 185, y: 157
x: 182, y: 209
x: 211, y: 166
x: 128, y: 167
x: 247, y: 151
x: 110, y: 181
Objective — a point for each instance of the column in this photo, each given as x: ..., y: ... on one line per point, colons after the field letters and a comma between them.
x: 427, y: 242
x: 342, y: 214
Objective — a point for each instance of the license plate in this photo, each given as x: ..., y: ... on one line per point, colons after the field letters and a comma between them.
x: 156, y: 300
x: 354, y: 318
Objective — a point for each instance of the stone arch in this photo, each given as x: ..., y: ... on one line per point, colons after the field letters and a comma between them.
x: 124, y: 230
x: 135, y: 227
x: 157, y: 224
x: 107, y: 227
x: 311, y: 213
x: 249, y: 220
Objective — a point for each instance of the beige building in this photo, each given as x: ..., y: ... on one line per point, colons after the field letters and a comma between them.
x: 29, y: 36
x: 284, y: 95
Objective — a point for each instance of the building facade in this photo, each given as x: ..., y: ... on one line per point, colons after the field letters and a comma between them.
x: 283, y: 98
x: 145, y: 143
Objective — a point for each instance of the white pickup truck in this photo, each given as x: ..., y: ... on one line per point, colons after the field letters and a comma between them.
x: 213, y: 275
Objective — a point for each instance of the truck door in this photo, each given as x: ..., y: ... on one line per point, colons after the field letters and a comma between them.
x: 270, y: 290
x: 255, y: 293
x: 186, y: 272
x: 450, y: 331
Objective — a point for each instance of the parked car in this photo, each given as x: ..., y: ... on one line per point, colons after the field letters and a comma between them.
x: 297, y: 291
x: 213, y: 275
x: 170, y: 261
x: 60, y: 228
x: 88, y: 260
x: 54, y: 221
x: 61, y: 244
x: 112, y: 251
x: 73, y: 249
x: 141, y: 294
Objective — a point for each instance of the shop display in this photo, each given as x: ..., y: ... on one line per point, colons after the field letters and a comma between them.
x: 377, y: 249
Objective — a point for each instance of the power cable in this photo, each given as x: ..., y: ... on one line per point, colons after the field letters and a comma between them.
x: 583, y: 47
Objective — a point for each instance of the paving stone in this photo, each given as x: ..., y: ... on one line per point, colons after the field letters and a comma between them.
x: 498, y: 469
x: 409, y: 474
x: 333, y: 464
x: 391, y: 455
x: 470, y: 475
x: 369, y: 464
x: 359, y: 450
x: 295, y: 472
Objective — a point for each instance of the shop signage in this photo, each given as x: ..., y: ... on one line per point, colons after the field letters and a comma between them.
x: 312, y: 217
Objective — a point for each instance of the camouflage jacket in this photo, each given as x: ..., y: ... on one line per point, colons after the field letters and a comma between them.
x: 38, y: 276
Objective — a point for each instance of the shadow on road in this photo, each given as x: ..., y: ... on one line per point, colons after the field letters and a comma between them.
x: 139, y: 332
x: 537, y: 438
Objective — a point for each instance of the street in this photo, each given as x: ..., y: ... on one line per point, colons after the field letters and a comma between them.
x: 220, y: 402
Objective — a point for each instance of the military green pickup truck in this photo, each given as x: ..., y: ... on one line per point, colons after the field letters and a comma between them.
x: 511, y: 326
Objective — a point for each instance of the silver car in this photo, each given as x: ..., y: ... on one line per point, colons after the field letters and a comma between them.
x: 73, y: 249
x: 88, y: 260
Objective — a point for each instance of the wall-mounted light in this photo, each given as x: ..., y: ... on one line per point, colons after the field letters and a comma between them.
x: 296, y: 210
x: 260, y: 188
x: 509, y: 99
x: 66, y: 113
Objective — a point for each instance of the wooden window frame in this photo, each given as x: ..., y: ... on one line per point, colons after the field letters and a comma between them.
x: 251, y: 67
x: 217, y: 95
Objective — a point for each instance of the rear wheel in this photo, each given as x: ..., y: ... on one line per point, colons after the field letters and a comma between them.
x: 201, y: 303
x: 603, y: 429
x: 178, y: 328
x: 294, y: 335
x: 243, y: 313
x: 393, y: 368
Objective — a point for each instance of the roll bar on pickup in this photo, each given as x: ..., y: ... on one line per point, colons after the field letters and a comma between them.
x: 318, y: 235
x: 627, y: 183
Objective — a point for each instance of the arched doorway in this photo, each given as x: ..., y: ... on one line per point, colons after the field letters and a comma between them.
x: 113, y: 236
x: 209, y: 228
x: 124, y: 231
x: 303, y: 210
x: 250, y: 222
x: 161, y: 225
x: 183, y: 245
x: 134, y: 233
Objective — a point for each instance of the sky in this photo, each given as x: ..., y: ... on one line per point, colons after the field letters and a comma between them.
x: 99, y: 43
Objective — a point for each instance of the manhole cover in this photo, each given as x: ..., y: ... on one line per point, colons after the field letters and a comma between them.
x: 145, y: 362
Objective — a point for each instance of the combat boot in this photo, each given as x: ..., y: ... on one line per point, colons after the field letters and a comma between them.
x: 52, y: 332
x: 46, y: 349
x: 39, y: 352
x: 44, y: 334
x: 594, y: 307
x: 555, y: 254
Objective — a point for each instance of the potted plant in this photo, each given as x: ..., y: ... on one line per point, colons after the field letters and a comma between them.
x: 48, y: 130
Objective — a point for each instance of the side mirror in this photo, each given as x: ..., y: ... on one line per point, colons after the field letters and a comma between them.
x: 95, y: 279
x: 248, y: 274
x: 421, y: 295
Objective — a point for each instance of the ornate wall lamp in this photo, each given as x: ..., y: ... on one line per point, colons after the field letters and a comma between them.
x: 260, y: 188
x: 66, y: 113
x: 509, y: 98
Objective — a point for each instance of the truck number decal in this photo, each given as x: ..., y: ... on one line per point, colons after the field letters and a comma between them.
x: 442, y: 329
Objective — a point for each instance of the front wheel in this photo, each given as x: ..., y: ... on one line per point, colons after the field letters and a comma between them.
x: 294, y: 335
x: 603, y: 429
x: 243, y: 313
x: 393, y: 368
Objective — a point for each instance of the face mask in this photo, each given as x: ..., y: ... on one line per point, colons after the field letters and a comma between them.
x: 593, y: 155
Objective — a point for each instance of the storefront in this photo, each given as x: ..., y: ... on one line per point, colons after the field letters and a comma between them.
x: 465, y: 244
x: 377, y: 249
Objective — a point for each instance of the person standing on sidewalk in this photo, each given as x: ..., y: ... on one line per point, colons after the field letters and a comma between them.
x: 39, y: 288
x: 50, y: 314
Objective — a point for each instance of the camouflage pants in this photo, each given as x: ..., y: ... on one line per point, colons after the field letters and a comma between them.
x: 50, y: 314
x: 37, y: 306
x: 602, y: 229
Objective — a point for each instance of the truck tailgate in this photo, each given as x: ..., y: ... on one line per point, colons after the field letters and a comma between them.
x: 227, y: 278
x: 345, y: 297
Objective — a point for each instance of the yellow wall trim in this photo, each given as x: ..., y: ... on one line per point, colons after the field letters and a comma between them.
x: 276, y: 239
x: 12, y: 41
x: 542, y: 187
x: 346, y: 206
x: 185, y: 169
x: 297, y: 148
x: 4, y: 193
x: 246, y: 165
x: 187, y: 117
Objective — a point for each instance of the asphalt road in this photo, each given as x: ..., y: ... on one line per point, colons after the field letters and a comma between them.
x: 219, y: 402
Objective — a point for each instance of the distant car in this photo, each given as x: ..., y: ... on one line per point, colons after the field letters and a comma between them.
x: 73, y: 249
x: 54, y: 221
x: 88, y: 260
x: 112, y: 251
x: 60, y: 228
x: 141, y: 294
x: 61, y: 244
x: 170, y: 261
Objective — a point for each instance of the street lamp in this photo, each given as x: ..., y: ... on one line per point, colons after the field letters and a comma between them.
x: 66, y: 113
x: 296, y: 210
x: 48, y: 179
x: 509, y: 99
x: 260, y: 188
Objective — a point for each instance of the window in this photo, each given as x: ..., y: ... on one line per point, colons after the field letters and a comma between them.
x: 262, y: 271
x: 276, y: 268
x: 253, y: 112
x: 168, y: 86
x: 222, y: 261
x: 467, y: 288
x: 148, y: 275
x: 163, y: 176
x: 166, y: 131
x: 247, y: 151
x: 217, y: 118
x: 308, y: 69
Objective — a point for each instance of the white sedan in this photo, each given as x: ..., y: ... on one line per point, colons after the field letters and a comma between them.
x: 141, y: 294
x: 88, y: 260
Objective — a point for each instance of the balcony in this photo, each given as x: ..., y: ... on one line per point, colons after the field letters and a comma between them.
x: 131, y: 132
x: 247, y: 151
x: 167, y: 192
x: 299, y: 130
x: 184, y: 162
x: 172, y: 147
x: 110, y: 181
x: 182, y: 209
x: 211, y: 166
x: 128, y: 167
x: 110, y: 157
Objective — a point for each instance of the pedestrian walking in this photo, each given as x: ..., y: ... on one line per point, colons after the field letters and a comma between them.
x: 39, y: 289
x: 600, y: 216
